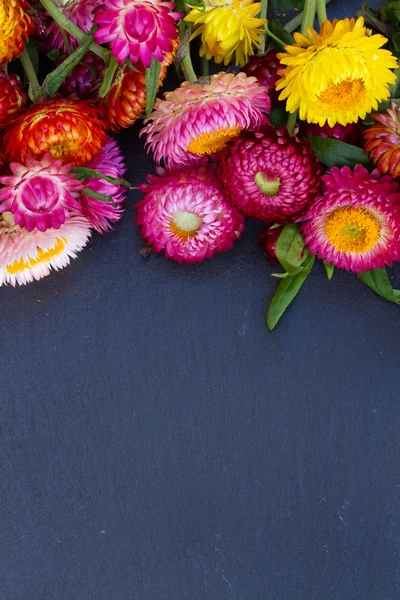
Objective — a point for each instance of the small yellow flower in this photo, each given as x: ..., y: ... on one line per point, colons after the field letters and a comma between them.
x: 338, y: 75
x: 227, y: 28
x: 15, y: 27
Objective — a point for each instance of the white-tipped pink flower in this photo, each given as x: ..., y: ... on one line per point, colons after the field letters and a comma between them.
x: 110, y: 163
x: 40, y: 194
x: 187, y: 214
x: 138, y: 30
x: 81, y: 13
x: 199, y: 120
x: 29, y: 255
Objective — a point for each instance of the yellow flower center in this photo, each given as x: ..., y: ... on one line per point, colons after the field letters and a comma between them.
x: 185, y: 224
x: 342, y: 92
x: 43, y: 256
x: 351, y: 229
x: 214, y: 141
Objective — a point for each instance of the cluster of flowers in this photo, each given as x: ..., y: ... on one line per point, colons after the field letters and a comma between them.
x: 325, y: 182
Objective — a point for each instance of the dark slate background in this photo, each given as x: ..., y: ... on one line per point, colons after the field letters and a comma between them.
x: 158, y: 443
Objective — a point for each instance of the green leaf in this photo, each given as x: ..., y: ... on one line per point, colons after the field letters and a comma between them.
x: 396, y: 43
x: 33, y: 54
x: 85, y: 173
x: 333, y: 153
x: 53, y: 54
x: 54, y: 80
x: 97, y: 195
x: 287, y: 290
x: 196, y: 4
x: 278, y: 117
x: 329, y: 269
x: 152, y: 76
x: 277, y: 29
x: 289, y: 248
x: 108, y: 77
x: 378, y: 281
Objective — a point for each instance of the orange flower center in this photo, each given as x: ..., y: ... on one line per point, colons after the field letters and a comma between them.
x: 214, y: 141
x: 344, y: 91
x: 351, y: 229
x: 43, y: 256
x: 185, y: 224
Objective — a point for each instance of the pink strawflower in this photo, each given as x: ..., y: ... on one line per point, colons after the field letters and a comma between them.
x: 199, y: 120
x: 270, y: 175
x: 102, y: 214
x: 84, y: 80
x: 355, y: 224
x: 138, y: 30
x: 41, y: 193
x: 28, y: 255
x: 350, y: 133
x: 80, y: 12
x: 187, y: 214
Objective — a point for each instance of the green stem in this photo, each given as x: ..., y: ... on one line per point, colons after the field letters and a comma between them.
x: 274, y: 37
x: 30, y: 73
x: 263, y: 15
x: 204, y: 67
x: 187, y: 68
x: 308, y: 15
x: 63, y: 22
x: 321, y: 11
x: 291, y: 122
x: 294, y: 23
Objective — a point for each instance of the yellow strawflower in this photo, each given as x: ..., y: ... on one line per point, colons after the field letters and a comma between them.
x: 227, y: 28
x: 338, y: 75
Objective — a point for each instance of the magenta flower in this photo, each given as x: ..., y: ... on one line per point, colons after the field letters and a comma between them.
x: 102, y: 214
x: 40, y: 194
x: 80, y: 12
x: 138, y: 30
x: 84, y: 78
x: 187, y: 214
x: 356, y: 223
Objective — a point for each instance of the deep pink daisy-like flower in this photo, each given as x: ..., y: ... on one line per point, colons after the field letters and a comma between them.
x: 110, y: 163
x: 195, y: 121
x: 187, y: 214
x: 40, y: 194
x: 29, y: 255
x: 138, y: 30
x: 270, y: 175
x: 80, y: 12
x: 355, y: 224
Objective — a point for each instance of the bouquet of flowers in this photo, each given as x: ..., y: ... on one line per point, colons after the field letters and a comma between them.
x: 299, y: 129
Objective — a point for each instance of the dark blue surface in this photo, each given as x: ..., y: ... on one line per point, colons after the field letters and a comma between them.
x: 158, y: 443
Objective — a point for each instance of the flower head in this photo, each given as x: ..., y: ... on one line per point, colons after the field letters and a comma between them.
x: 15, y: 27
x: 69, y: 129
x: 102, y: 214
x: 84, y: 78
x: 138, y: 30
x: 270, y: 175
x: 40, y: 194
x: 338, y: 75
x: 187, y: 214
x: 265, y: 67
x: 382, y: 140
x: 12, y: 98
x: 29, y: 255
x: 228, y: 29
x: 199, y: 120
x: 356, y: 223
x: 350, y: 133
x: 81, y: 13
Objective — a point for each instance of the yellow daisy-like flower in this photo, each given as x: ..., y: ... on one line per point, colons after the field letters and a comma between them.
x: 15, y: 27
x: 228, y: 28
x: 338, y: 75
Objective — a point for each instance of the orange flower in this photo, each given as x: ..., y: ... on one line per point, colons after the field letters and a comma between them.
x: 126, y: 100
x: 71, y: 130
x: 15, y: 27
